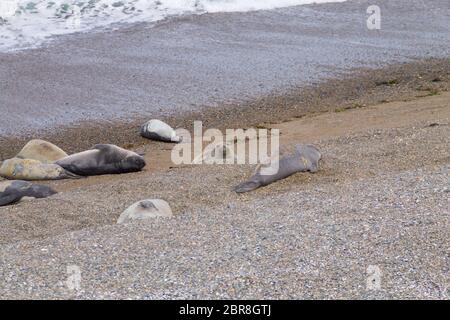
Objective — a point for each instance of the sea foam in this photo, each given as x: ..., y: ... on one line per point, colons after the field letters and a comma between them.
x: 29, y: 23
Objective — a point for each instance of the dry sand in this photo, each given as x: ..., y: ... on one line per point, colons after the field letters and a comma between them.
x: 380, y: 198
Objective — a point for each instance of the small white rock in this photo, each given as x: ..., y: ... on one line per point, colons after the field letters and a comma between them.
x: 144, y: 209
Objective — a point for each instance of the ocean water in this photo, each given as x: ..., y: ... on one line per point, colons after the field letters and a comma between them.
x: 210, y: 60
x: 29, y: 23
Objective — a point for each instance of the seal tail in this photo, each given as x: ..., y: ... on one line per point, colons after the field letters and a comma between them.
x: 247, y: 186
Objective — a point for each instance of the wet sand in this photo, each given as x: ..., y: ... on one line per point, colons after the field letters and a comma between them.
x: 185, y: 64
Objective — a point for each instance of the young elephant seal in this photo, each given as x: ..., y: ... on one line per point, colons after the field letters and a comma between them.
x: 42, y: 151
x: 103, y: 159
x: 158, y: 130
x: 145, y: 209
x: 13, y: 191
x: 305, y: 158
x: 28, y: 169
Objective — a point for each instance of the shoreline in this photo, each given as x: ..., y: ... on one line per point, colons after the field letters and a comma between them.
x: 358, y: 89
x: 184, y: 64
x: 307, y: 236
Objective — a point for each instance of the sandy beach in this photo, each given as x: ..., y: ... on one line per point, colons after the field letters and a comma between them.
x: 187, y: 63
x: 381, y: 198
x: 377, y: 105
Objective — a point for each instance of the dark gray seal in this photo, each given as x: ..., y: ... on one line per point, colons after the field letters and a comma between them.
x: 305, y: 158
x: 103, y: 159
x: 13, y: 191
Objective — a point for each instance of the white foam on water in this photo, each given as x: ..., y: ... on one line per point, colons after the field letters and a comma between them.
x: 29, y: 23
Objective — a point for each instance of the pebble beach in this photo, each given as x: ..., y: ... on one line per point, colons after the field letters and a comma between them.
x: 380, y: 118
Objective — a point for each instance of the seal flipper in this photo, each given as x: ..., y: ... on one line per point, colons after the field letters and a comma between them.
x: 69, y: 172
x: 110, y: 153
x: 39, y: 191
x: 9, y: 199
x: 105, y: 148
x: 70, y: 175
x: 247, y: 186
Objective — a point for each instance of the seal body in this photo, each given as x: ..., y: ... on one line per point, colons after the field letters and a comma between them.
x: 29, y: 169
x: 42, y: 151
x: 146, y: 209
x: 103, y: 159
x: 219, y: 153
x: 305, y: 158
x: 13, y: 191
x: 159, y: 130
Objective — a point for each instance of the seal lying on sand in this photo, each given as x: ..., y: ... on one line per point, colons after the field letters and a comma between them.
x: 103, y: 159
x: 29, y: 169
x: 13, y: 191
x: 305, y: 158
x: 144, y: 209
x: 42, y: 151
x: 158, y: 130
x: 219, y: 153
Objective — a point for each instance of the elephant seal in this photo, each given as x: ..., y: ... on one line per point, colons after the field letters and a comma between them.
x: 305, y: 158
x: 145, y: 209
x: 219, y: 153
x: 29, y: 169
x: 13, y: 191
x: 42, y: 151
x: 158, y: 130
x: 103, y: 159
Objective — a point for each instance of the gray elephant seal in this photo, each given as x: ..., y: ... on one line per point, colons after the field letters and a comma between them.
x: 29, y: 169
x: 103, y: 159
x: 305, y: 158
x: 13, y: 191
x: 145, y: 209
x: 159, y: 130
x: 42, y: 151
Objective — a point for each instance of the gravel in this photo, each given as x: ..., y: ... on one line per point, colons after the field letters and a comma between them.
x: 380, y: 200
